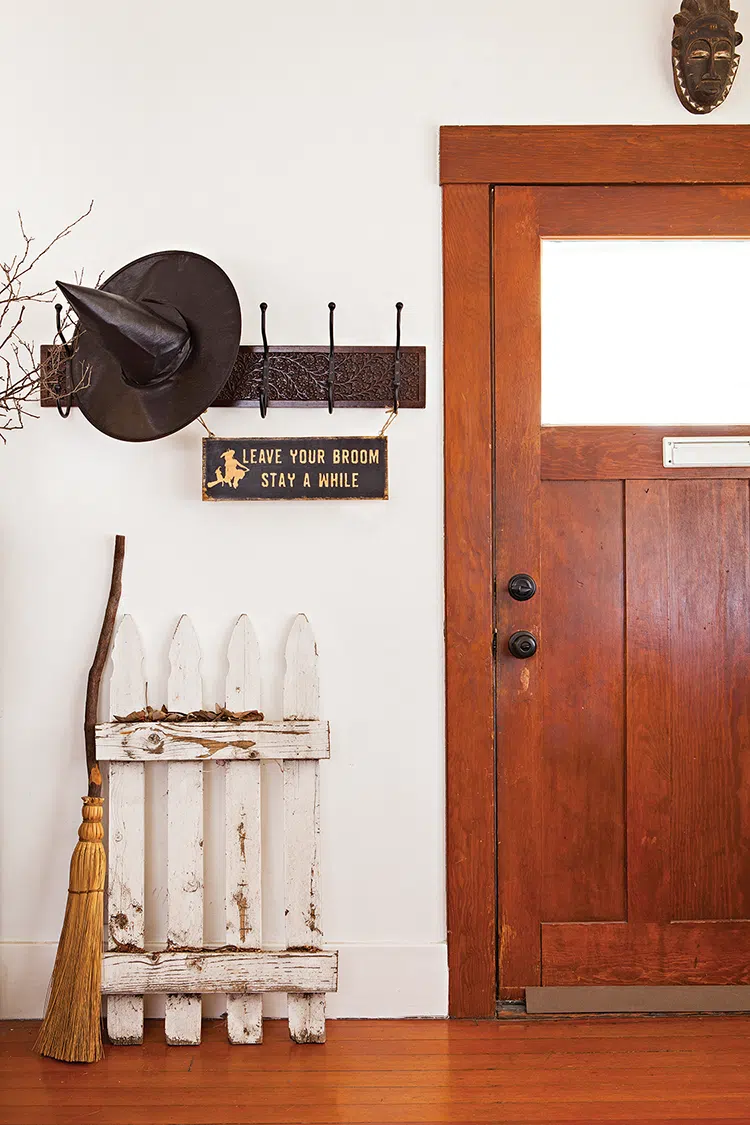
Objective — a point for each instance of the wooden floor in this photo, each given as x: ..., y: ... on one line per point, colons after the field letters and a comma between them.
x: 694, y: 1069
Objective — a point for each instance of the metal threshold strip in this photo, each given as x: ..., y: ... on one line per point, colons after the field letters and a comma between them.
x: 617, y: 999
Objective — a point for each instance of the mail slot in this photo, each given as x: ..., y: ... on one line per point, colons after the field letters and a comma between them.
x: 706, y: 452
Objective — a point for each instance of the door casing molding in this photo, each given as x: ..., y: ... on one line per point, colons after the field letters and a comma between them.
x: 472, y: 161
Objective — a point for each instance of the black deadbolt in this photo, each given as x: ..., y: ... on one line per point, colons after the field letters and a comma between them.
x: 522, y: 645
x: 522, y: 587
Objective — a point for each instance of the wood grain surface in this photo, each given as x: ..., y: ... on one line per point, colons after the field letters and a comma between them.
x: 709, y: 611
x: 303, y: 926
x: 185, y: 843
x: 653, y: 211
x: 126, y: 848
x: 594, y: 154
x: 217, y: 741
x: 649, y: 717
x: 518, y: 386
x: 646, y: 953
x: 626, y: 453
x: 583, y: 791
x: 469, y: 617
x: 198, y: 972
x: 242, y: 833
x: 432, y: 1072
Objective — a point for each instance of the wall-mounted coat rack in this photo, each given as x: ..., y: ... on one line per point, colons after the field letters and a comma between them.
x: 329, y: 376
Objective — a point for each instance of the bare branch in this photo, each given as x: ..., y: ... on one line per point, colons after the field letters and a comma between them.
x: 25, y: 264
x: 22, y: 376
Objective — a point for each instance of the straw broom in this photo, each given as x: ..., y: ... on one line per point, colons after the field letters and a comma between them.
x: 71, y: 1030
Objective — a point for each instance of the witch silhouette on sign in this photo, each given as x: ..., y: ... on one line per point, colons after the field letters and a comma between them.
x: 233, y: 471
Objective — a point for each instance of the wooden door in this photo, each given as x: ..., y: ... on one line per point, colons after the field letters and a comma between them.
x: 623, y: 745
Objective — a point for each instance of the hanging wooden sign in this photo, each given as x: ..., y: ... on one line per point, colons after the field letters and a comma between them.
x: 327, y: 468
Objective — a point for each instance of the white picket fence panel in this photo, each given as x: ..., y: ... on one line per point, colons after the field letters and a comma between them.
x: 185, y: 969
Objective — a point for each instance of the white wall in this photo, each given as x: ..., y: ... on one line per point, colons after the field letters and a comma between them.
x: 296, y: 144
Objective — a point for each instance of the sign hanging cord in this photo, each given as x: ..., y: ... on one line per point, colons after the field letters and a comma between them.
x: 210, y: 433
x: 391, y: 416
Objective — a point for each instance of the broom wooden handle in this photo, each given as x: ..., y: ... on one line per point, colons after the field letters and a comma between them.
x: 97, y: 669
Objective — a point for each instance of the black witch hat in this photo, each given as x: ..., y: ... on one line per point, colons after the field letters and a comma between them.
x: 155, y: 344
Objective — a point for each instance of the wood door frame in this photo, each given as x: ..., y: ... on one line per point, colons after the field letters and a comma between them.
x: 473, y: 160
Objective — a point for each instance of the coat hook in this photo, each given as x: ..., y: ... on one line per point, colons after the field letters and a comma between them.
x: 331, y: 360
x: 397, y: 361
x: 263, y: 395
x: 63, y: 411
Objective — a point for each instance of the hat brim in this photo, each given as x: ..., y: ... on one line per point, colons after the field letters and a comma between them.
x: 207, y: 300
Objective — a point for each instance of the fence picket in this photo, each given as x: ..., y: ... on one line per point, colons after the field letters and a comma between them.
x: 126, y: 813
x: 306, y: 1011
x: 184, y: 836
x: 242, y: 828
x: 301, y: 684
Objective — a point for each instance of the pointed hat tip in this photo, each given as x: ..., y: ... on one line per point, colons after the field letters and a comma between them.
x: 149, y: 346
x: 72, y: 292
x: 74, y: 287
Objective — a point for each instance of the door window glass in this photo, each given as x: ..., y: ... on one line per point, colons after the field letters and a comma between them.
x: 645, y: 332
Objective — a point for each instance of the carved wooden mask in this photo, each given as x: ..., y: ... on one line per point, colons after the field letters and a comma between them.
x: 704, y: 56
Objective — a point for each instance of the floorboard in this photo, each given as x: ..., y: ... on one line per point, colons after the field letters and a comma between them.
x: 550, y: 1071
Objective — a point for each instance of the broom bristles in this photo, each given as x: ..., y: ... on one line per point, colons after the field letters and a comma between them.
x: 72, y: 1030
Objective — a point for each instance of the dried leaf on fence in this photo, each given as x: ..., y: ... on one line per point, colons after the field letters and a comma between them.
x: 162, y: 715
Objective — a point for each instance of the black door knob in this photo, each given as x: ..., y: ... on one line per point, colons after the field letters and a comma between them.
x: 522, y: 645
x: 522, y: 587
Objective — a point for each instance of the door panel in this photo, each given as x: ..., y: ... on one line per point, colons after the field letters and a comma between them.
x: 623, y: 746
x: 709, y: 611
x: 646, y: 953
x: 649, y: 722
x: 584, y: 728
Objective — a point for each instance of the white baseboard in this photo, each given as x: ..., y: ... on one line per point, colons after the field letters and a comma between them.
x: 375, y: 982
